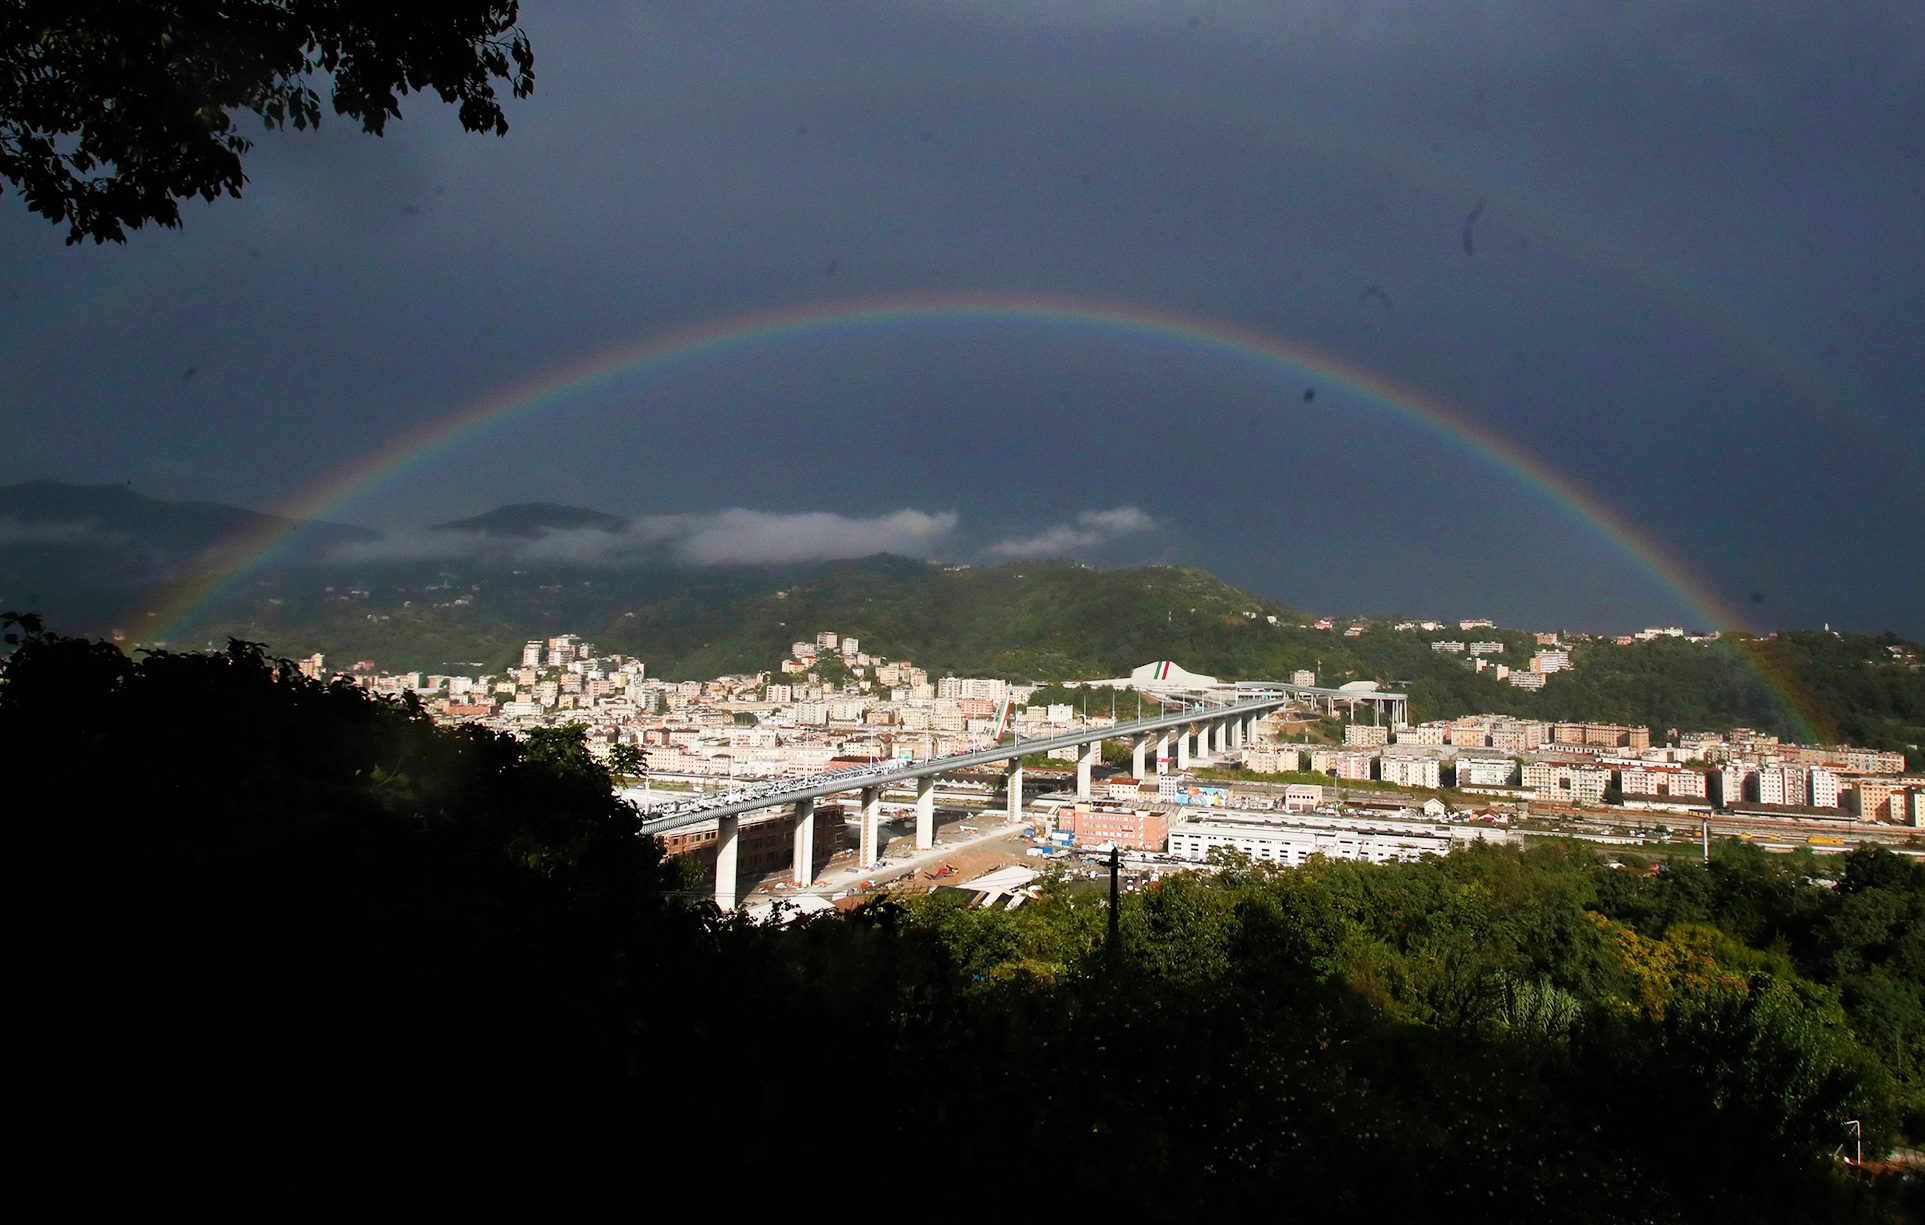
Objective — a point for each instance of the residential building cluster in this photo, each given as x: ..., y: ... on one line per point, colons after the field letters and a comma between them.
x: 790, y: 721
x: 829, y: 704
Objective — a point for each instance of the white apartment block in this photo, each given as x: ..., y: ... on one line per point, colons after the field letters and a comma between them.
x: 1782, y: 785
x: 1486, y: 648
x: 1655, y: 782
x: 1303, y: 676
x: 1826, y: 787
x: 1547, y: 662
x: 1291, y: 842
x: 1365, y: 734
x: 1485, y: 771
x: 1567, y: 781
x: 1410, y: 771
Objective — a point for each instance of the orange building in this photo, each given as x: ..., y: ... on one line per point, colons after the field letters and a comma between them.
x: 1131, y: 829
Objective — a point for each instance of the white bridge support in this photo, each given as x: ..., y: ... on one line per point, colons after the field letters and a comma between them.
x: 1013, y: 776
x: 871, y: 819
x: 1182, y: 749
x: 1085, y: 762
x: 1219, y: 737
x: 726, y: 853
x: 1139, y: 749
x: 1236, y: 732
x: 1163, y: 739
x: 925, y: 812
x: 804, y: 867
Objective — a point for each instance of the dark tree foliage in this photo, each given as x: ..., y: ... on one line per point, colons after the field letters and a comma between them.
x: 112, y: 113
x: 278, y: 943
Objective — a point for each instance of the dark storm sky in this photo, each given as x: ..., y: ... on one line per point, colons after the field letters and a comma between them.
x: 1697, y: 291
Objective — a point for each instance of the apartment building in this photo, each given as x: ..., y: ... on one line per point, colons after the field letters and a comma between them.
x: 1567, y: 781
x: 1410, y: 771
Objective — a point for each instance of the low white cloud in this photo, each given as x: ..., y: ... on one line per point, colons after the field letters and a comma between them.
x: 1090, y: 529
x: 734, y: 536
x: 758, y: 536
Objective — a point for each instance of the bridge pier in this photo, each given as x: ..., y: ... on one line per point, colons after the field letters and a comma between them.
x: 1139, y: 745
x: 1236, y: 732
x: 726, y: 852
x: 871, y: 816
x: 803, y: 869
x: 1163, y: 739
x: 1219, y: 737
x: 1013, y: 778
x: 1085, y: 762
x: 925, y: 812
x: 1182, y: 749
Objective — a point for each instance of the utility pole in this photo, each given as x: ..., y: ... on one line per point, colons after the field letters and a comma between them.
x: 1115, y: 868
x: 1857, y: 1128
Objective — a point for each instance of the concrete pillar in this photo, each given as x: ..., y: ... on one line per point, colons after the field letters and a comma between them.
x: 1139, y: 746
x: 871, y: 819
x: 1163, y: 739
x: 1219, y: 737
x: 803, y: 869
x: 1085, y: 761
x: 1236, y: 732
x: 925, y: 812
x: 726, y: 852
x: 1013, y: 778
x: 1182, y: 749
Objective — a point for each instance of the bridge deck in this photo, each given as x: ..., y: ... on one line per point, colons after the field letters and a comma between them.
x: 883, y: 774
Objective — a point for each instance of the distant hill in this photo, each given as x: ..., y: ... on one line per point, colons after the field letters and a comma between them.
x: 82, y: 554
x: 530, y: 519
x: 90, y: 557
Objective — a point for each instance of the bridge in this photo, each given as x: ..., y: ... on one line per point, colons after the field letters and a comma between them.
x: 1213, y: 722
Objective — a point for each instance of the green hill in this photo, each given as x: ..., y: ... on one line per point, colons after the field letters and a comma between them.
x: 1062, y: 620
x: 465, y: 596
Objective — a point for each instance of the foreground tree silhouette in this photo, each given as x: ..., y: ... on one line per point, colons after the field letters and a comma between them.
x: 277, y: 942
x: 111, y: 114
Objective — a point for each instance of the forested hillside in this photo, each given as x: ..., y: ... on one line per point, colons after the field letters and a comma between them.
x: 1062, y: 620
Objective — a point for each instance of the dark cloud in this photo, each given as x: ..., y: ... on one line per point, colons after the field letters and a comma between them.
x: 1639, y: 319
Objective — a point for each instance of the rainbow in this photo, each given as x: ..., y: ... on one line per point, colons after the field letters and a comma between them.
x: 421, y: 445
